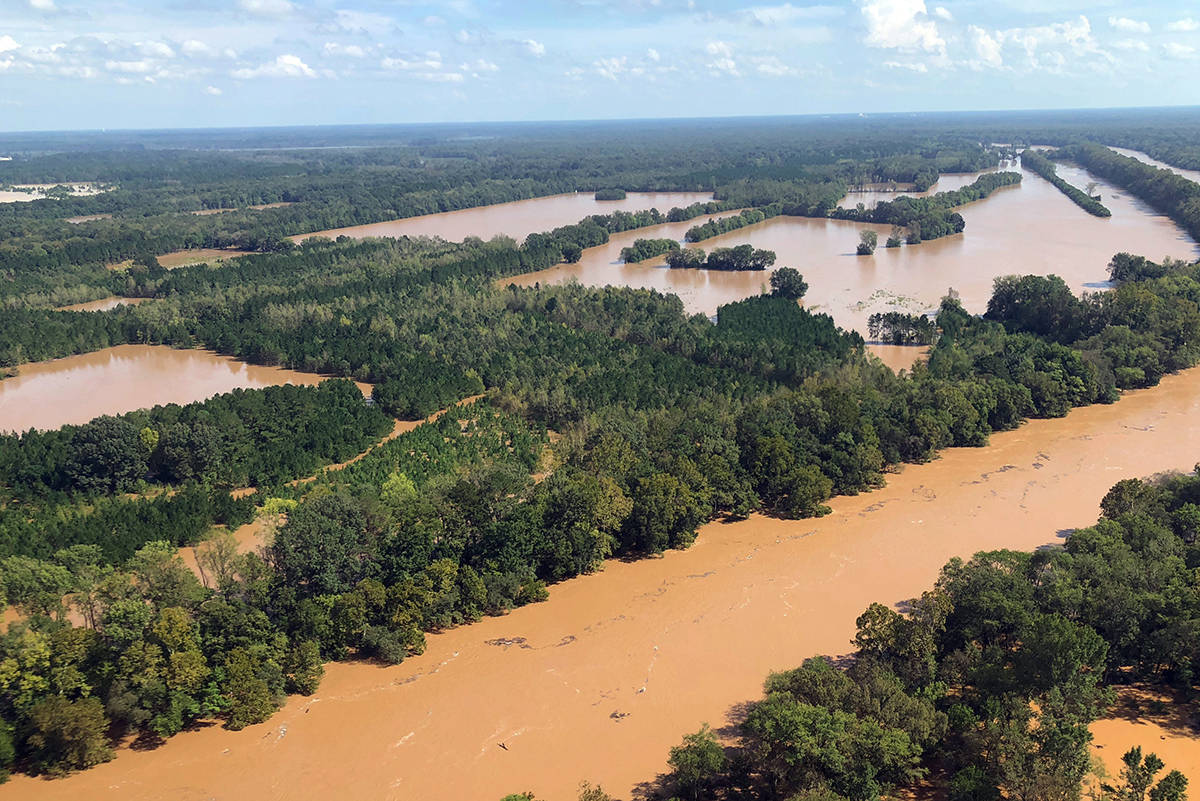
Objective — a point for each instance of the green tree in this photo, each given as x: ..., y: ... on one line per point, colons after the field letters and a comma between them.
x: 697, y: 763
x: 787, y: 282
x: 67, y: 735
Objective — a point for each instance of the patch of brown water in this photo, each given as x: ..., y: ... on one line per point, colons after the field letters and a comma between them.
x: 898, y: 357
x: 1029, y: 228
x: 76, y: 389
x: 104, y: 304
x: 517, y: 219
x: 600, y: 681
x: 1158, y: 723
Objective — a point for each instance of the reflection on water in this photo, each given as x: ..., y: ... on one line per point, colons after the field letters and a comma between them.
x: 1191, y: 175
x: 76, y: 389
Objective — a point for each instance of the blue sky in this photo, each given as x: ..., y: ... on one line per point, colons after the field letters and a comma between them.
x: 68, y: 64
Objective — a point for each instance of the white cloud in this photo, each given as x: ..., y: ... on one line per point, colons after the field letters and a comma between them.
x: 723, y: 61
x: 902, y: 65
x: 987, y: 48
x: 773, y: 16
x: 1131, y: 44
x: 941, y: 12
x: 431, y: 61
x: 266, y: 8
x: 1177, y: 50
x: 42, y: 5
x: 440, y: 77
x: 285, y: 66
x: 610, y: 68
x: 155, y: 50
x: 1129, y: 25
x: 901, y: 24
x: 7, y: 43
x: 1183, y: 25
x: 212, y: 90
x: 1044, y: 44
x: 335, y: 49
x: 773, y: 67
x: 479, y: 65
x: 535, y: 47
x: 652, y: 54
x: 142, y: 67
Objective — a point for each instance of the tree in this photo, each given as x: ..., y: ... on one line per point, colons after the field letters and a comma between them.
x: 107, y: 455
x: 324, y: 548
x: 250, y: 699
x: 787, y: 282
x: 67, y: 735
x: 697, y: 763
x: 867, y: 242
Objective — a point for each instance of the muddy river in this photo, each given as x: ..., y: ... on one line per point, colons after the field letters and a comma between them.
x: 600, y: 681
x: 517, y: 219
x: 103, y: 304
x: 1031, y: 228
x: 76, y: 389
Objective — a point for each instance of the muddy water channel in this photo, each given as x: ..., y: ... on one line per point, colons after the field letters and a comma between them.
x: 1191, y: 175
x: 517, y: 219
x: 1031, y: 228
x: 600, y: 681
x: 76, y: 389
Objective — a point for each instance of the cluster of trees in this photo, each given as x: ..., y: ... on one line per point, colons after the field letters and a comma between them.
x: 1045, y: 167
x: 643, y: 249
x: 898, y: 328
x: 868, y: 240
x: 1166, y: 191
x: 738, y: 258
x: 724, y: 225
x: 610, y: 194
x: 243, y: 438
x: 930, y: 217
x: 995, y: 673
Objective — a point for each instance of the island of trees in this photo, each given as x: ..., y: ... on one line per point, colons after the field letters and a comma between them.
x: 1044, y: 167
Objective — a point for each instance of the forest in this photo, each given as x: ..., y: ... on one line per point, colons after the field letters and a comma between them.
x: 1044, y: 167
x: 612, y: 423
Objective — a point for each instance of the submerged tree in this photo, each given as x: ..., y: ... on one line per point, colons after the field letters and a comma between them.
x: 867, y: 242
x: 787, y: 282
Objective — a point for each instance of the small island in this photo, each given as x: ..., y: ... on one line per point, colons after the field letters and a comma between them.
x: 610, y: 194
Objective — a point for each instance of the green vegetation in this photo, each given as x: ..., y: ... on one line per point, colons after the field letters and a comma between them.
x: 897, y: 328
x: 1045, y: 167
x: 993, y: 675
x: 666, y: 421
x: 868, y: 240
x: 610, y: 194
x: 930, y: 217
x: 1166, y: 191
x: 643, y: 249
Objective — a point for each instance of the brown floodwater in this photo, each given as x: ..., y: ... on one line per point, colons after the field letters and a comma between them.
x: 517, y: 219
x: 1030, y: 228
x: 104, y: 304
x: 600, y: 681
x: 1191, y: 175
x: 1158, y: 723
x: 47, y: 395
x: 898, y: 357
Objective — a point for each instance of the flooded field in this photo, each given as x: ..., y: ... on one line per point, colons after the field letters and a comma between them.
x: 1031, y: 228
x: 517, y: 219
x: 600, y: 681
x: 76, y: 389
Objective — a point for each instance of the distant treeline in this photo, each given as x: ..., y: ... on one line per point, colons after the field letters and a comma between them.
x: 1045, y: 167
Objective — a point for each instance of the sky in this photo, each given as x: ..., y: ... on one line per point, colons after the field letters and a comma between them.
x: 86, y: 64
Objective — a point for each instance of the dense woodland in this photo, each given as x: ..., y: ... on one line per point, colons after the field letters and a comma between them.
x: 612, y: 422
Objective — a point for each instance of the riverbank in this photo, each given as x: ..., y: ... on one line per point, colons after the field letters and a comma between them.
x: 645, y: 651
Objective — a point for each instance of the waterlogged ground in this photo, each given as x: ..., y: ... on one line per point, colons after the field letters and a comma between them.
x: 600, y: 681
x: 48, y: 395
